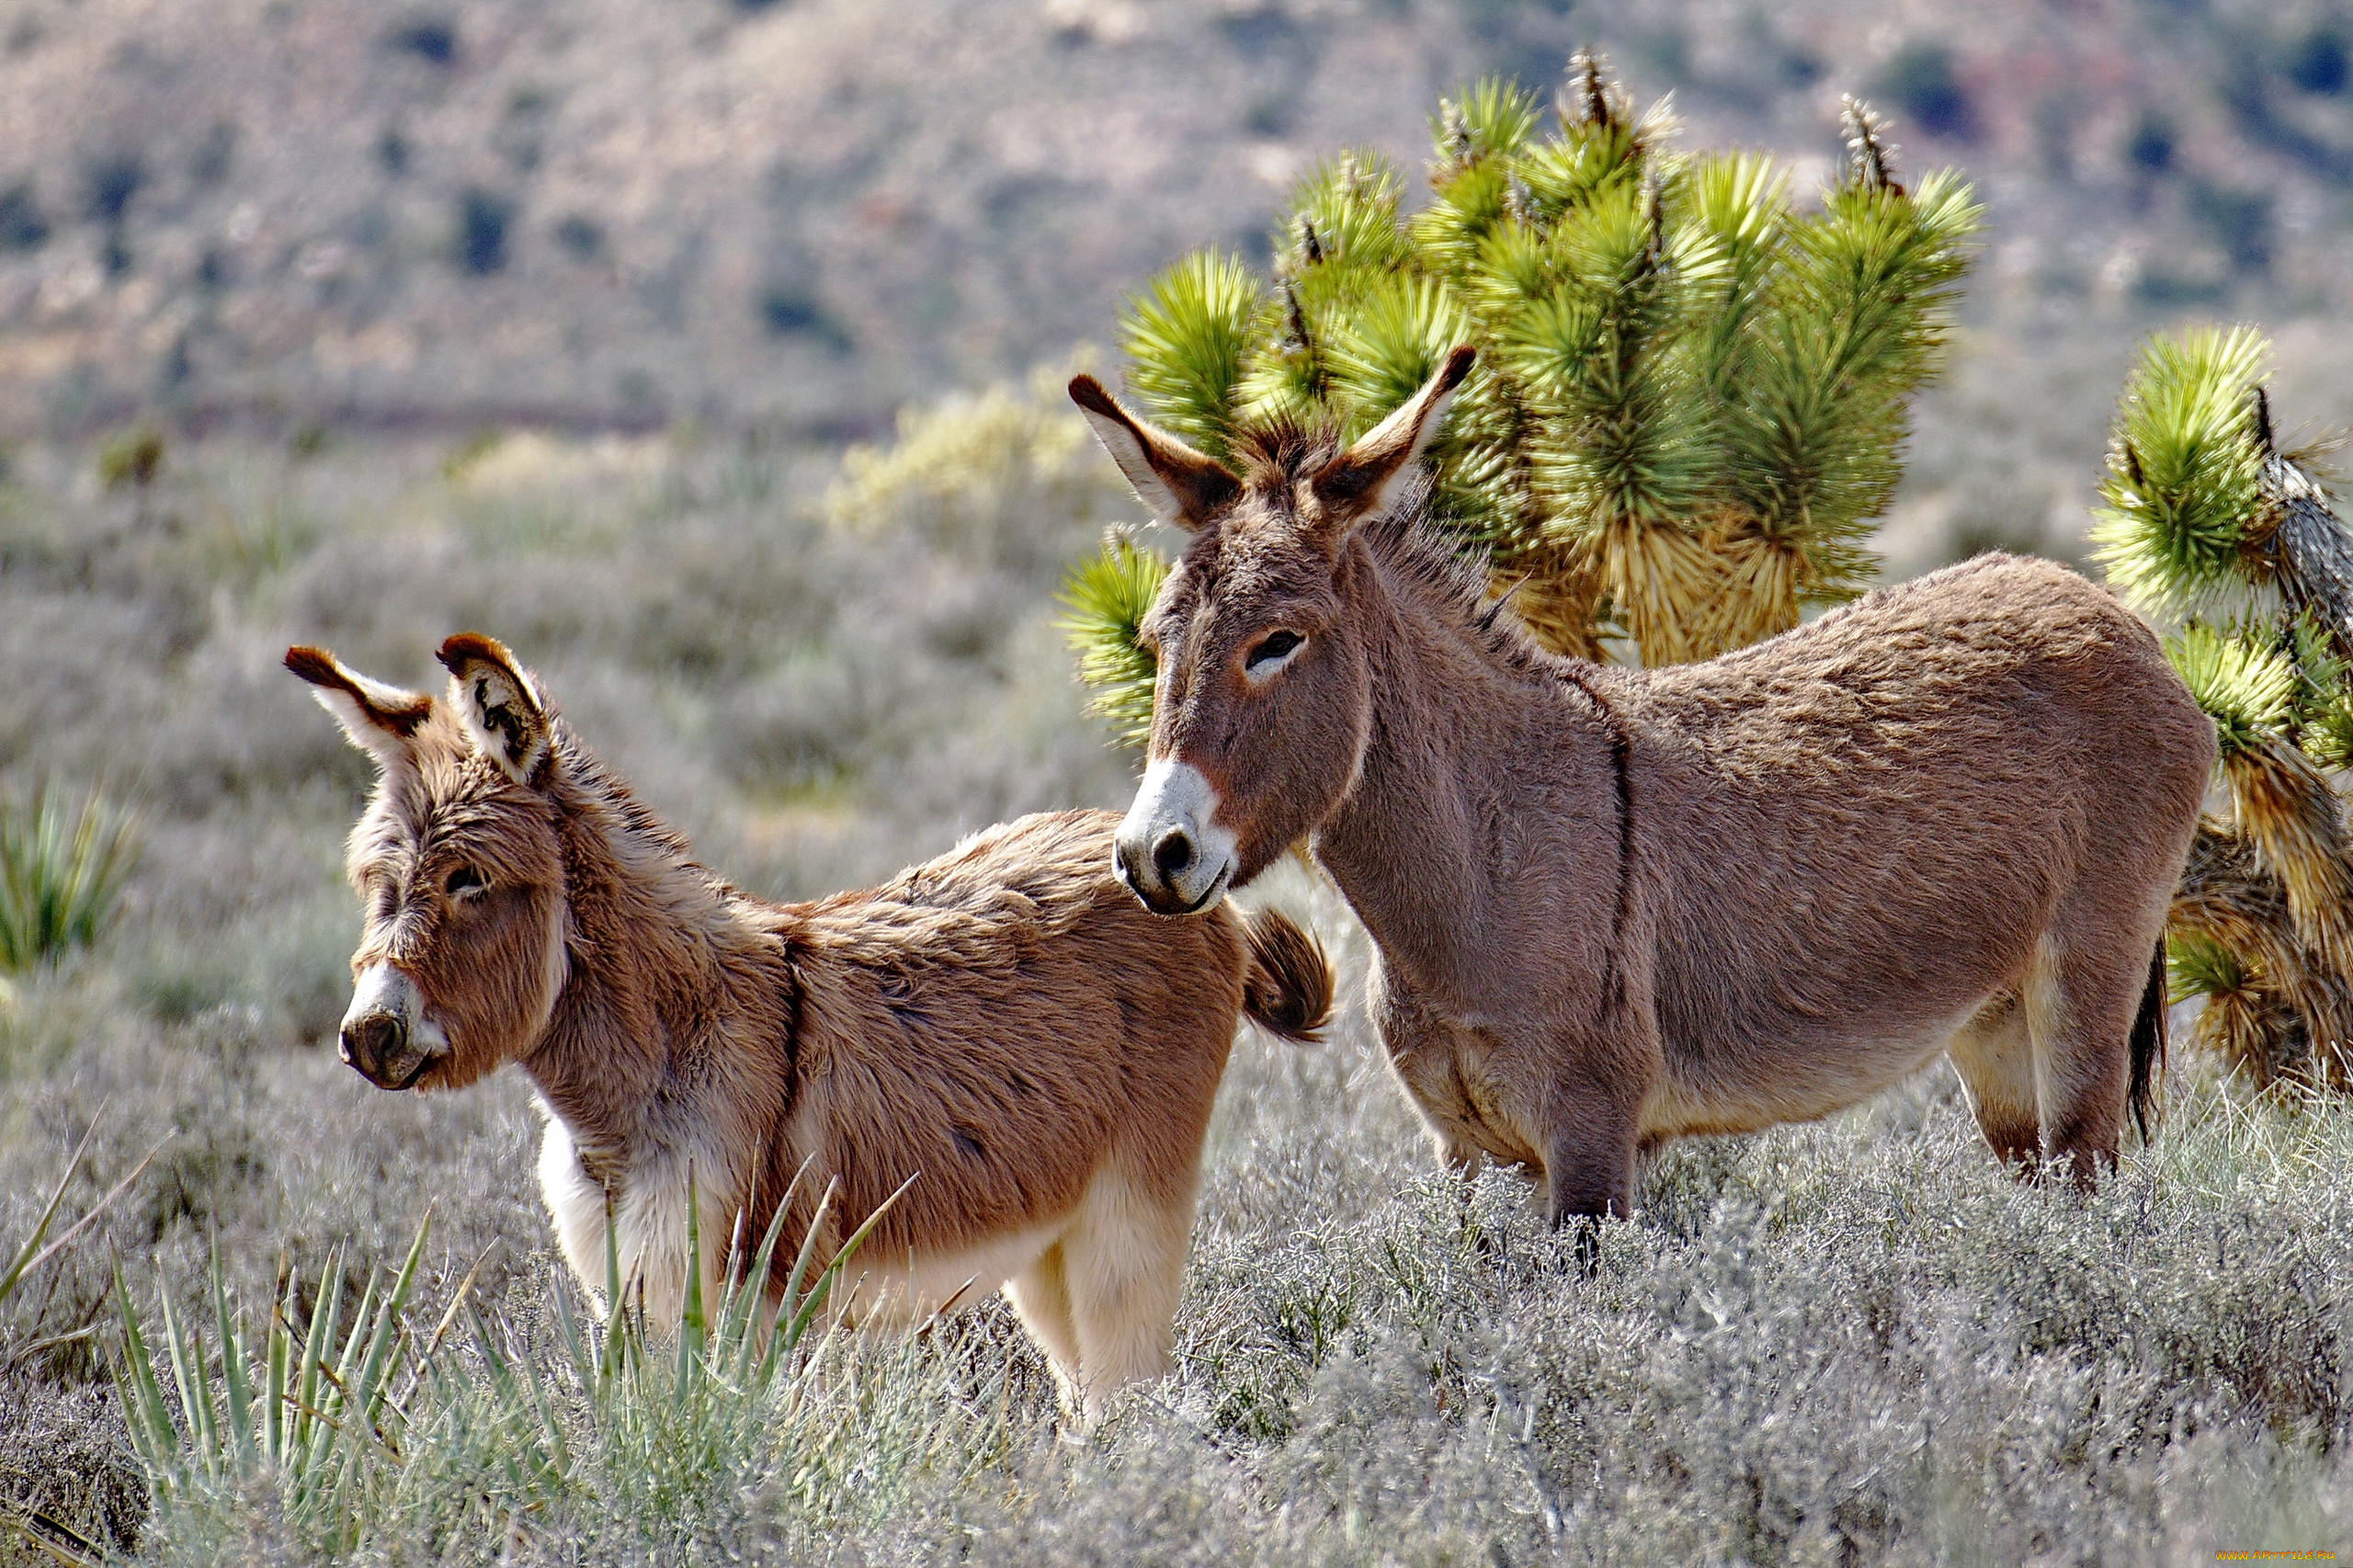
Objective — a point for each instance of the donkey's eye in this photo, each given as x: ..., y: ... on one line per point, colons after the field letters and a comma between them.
x: 463, y: 881
x: 1275, y: 648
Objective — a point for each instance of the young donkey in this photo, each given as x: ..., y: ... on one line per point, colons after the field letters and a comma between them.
x: 1003, y: 1023
x: 1612, y: 906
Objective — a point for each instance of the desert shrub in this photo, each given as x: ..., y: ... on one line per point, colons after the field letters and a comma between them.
x: 22, y: 227
x: 1921, y: 83
x: 132, y: 458
x: 61, y: 871
x: 1011, y: 476
x: 108, y: 183
x: 431, y: 39
x: 208, y: 161
x: 478, y: 244
x: 793, y: 309
x: 582, y: 237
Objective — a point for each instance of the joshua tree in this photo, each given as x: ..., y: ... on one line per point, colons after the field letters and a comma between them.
x: 2206, y: 518
x: 1689, y: 399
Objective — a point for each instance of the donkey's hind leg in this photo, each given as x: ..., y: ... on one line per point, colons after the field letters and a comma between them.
x: 1124, y: 1264
x: 2080, y: 1003
x: 1994, y: 1053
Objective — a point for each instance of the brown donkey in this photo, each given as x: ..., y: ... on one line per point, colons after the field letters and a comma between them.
x: 1612, y: 906
x: 1003, y: 1023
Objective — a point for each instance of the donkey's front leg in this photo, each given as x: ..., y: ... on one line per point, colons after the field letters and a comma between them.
x: 1590, y: 1167
x: 1591, y: 1128
x: 1589, y: 1150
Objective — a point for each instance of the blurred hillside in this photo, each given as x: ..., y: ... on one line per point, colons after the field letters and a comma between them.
x: 792, y: 215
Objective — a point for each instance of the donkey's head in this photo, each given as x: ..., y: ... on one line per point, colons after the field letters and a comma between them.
x: 457, y: 860
x: 1264, y: 701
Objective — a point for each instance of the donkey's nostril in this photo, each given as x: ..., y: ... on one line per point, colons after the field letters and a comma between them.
x: 370, y: 1043
x: 1173, y: 852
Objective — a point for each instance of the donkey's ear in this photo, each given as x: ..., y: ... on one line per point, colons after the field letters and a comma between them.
x: 1369, y: 477
x: 1182, y: 487
x: 498, y: 703
x: 380, y: 718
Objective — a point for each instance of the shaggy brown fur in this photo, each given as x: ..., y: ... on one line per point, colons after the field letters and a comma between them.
x: 1002, y: 1023
x: 1614, y: 906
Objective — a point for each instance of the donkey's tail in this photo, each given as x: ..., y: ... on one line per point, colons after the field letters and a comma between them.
x: 1287, y: 988
x: 2148, y: 1044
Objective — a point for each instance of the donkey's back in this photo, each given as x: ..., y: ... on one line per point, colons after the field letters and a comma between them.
x: 1022, y: 1025
x: 1954, y: 811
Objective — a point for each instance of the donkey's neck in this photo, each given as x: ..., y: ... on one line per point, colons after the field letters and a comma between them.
x: 1421, y: 845
x: 649, y: 986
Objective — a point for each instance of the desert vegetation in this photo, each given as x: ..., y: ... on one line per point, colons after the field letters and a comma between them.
x: 252, y: 1310
x: 1368, y: 1371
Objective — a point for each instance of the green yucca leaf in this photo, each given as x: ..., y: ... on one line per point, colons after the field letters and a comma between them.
x: 1397, y: 337
x: 821, y: 1290
x: 1515, y: 265
x: 1448, y: 232
x: 1107, y: 597
x: 1855, y: 322
x: 2247, y: 690
x: 1493, y: 119
x: 1602, y: 145
x: 236, y: 1381
x: 2322, y: 713
x: 2198, y: 965
x: 1615, y: 252
x: 1551, y: 341
x: 152, y: 1436
x: 2182, y: 486
x: 2326, y: 734
x: 1187, y: 336
x: 1739, y: 203
x: 1344, y: 213
x: 1562, y: 176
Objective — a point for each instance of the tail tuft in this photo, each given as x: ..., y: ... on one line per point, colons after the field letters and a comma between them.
x: 2148, y: 1046
x: 1288, y: 989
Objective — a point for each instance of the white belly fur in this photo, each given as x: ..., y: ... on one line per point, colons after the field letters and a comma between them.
x: 879, y: 1291
x: 875, y: 1291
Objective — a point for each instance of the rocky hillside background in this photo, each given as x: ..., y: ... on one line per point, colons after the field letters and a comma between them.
x: 792, y: 216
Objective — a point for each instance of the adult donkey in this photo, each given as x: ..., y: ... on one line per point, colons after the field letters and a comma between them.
x: 1614, y: 907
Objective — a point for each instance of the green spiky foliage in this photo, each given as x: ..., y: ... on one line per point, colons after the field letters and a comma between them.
x: 62, y: 871
x: 1106, y: 599
x: 2204, y: 517
x: 1691, y: 398
x: 345, y: 1420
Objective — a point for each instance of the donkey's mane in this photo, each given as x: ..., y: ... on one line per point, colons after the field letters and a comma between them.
x: 1274, y: 454
x: 582, y: 767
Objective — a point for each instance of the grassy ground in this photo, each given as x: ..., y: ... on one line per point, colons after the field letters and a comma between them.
x: 1852, y: 1342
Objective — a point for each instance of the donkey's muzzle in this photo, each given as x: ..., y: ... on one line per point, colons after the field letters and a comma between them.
x: 377, y: 1046
x: 386, y: 1038
x: 1171, y: 852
